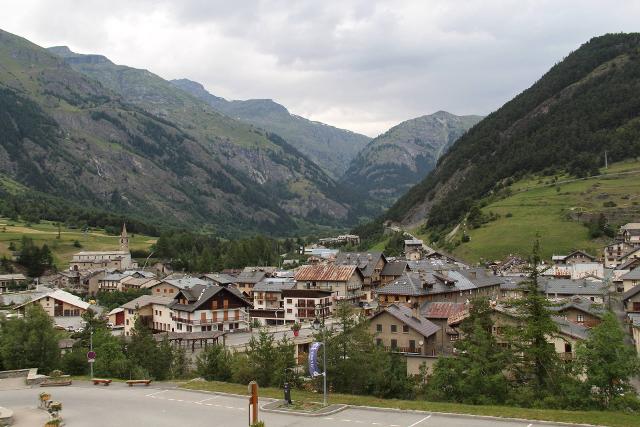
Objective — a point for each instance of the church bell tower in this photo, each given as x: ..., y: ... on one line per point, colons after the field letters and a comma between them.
x: 124, y: 239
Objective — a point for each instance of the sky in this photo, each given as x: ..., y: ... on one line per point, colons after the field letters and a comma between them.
x: 362, y: 65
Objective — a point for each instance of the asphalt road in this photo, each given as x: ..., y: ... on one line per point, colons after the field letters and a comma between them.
x: 119, y: 405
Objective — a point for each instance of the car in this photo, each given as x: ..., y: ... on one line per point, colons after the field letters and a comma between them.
x: 70, y: 329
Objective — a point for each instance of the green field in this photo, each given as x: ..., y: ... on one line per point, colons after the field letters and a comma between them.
x: 554, y: 207
x: 63, y: 248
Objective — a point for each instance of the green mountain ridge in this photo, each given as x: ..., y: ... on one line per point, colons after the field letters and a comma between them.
x: 399, y: 158
x: 329, y: 147
x: 584, y: 105
x: 83, y: 129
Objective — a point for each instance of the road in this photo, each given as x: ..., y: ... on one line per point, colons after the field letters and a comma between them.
x: 119, y: 405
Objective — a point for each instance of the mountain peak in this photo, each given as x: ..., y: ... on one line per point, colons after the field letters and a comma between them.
x: 72, y: 57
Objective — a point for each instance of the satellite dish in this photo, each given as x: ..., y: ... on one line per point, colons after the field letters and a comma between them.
x: 421, y: 342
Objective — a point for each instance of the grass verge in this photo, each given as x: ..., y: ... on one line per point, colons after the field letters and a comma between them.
x: 604, y: 418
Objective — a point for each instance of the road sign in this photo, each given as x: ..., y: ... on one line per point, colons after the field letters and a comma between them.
x: 91, y: 356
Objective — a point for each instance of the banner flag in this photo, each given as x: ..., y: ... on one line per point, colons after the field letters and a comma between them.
x: 313, y: 359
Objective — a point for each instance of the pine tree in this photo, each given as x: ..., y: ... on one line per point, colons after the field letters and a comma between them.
x: 607, y: 361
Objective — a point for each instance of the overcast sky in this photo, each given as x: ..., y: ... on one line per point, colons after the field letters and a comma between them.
x: 361, y: 65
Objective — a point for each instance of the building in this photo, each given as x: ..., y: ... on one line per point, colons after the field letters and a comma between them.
x: 268, y: 303
x: 575, y: 257
x: 614, y: 252
x: 302, y: 305
x: 580, y: 311
x: 413, y: 249
x: 634, y: 324
x: 344, y: 239
x: 249, y: 276
x: 630, y: 234
x: 575, y: 270
x: 559, y: 289
x: 153, y: 311
x: 170, y: 287
x: 8, y: 280
x: 120, y: 259
x: 401, y: 329
x: 370, y: 265
x: 344, y: 282
x: 630, y: 280
x: 219, y: 279
x: 57, y: 303
x: 392, y: 271
x: 439, y: 286
x: 631, y: 300
x: 209, y: 308
x: 441, y: 313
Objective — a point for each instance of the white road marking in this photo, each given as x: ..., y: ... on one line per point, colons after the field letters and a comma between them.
x: 328, y: 418
x: 376, y: 424
x: 346, y: 421
x: 157, y: 392
x: 529, y: 425
x: 424, y: 419
x: 209, y: 398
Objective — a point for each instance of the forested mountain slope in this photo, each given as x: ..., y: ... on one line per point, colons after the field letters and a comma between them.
x: 329, y: 147
x: 399, y: 158
x: 128, y: 141
x: 585, y: 105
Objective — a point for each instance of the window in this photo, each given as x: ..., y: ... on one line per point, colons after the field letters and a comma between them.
x: 405, y: 329
x: 394, y: 343
x: 378, y: 342
x: 412, y: 345
x: 289, y: 311
x: 289, y: 301
x: 454, y: 337
x: 397, y: 298
x: 394, y: 328
x: 378, y: 327
x: 580, y: 318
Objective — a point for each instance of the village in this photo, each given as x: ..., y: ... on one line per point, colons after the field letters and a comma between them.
x: 414, y: 303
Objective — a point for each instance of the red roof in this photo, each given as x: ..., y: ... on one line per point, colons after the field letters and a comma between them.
x: 326, y: 273
x: 441, y: 310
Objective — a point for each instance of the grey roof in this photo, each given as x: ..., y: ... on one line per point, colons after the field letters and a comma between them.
x: 145, y: 300
x: 480, y: 277
x: 250, y: 276
x: 581, y: 304
x: 630, y: 293
x: 200, y: 294
x: 431, y: 264
x: 273, y: 284
x: 394, y: 268
x: 366, y: 261
x: 571, y: 287
x: 569, y: 328
x: 511, y: 282
x: 186, y: 282
x: 627, y: 264
x: 416, y: 284
x: 115, y: 276
x: 404, y: 314
x: 221, y: 278
x: 632, y: 275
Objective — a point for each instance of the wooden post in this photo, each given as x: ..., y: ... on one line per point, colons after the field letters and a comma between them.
x: 253, y: 403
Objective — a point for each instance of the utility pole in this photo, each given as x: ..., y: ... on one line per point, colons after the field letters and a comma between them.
x: 606, y: 161
x: 321, y: 327
x: 91, y: 347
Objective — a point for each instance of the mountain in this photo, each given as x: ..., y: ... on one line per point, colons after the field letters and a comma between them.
x: 329, y: 147
x: 399, y: 158
x: 92, y: 133
x: 584, y: 106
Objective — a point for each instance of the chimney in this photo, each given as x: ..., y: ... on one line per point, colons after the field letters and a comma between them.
x: 369, y: 257
x: 415, y: 312
x: 473, y: 274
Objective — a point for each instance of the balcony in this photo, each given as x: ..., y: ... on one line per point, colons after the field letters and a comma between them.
x: 568, y: 356
x: 409, y: 350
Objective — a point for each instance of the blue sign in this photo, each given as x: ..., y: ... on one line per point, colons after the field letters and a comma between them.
x: 313, y: 359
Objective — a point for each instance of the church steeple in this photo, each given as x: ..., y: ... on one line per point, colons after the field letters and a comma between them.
x: 124, y: 239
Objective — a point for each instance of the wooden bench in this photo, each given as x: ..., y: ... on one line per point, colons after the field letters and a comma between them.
x: 97, y: 381
x: 133, y: 382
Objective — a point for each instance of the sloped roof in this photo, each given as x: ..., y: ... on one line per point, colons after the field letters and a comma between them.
x: 326, y: 273
x: 63, y: 296
x: 405, y: 315
x: 631, y: 293
x: 365, y: 261
x: 569, y: 328
x: 395, y: 268
x: 145, y: 300
x: 632, y: 275
x: 441, y: 310
x: 581, y: 304
x: 186, y: 282
x: 571, y: 287
x: 628, y: 263
x: 250, y: 276
x: 222, y: 278
x: 198, y: 295
x: 274, y: 285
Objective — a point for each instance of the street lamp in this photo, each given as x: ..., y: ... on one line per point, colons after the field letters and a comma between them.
x: 319, y: 326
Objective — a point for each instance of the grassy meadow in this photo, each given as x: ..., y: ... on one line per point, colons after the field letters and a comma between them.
x: 63, y: 248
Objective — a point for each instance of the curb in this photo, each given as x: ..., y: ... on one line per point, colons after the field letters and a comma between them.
x: 6, y: 417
